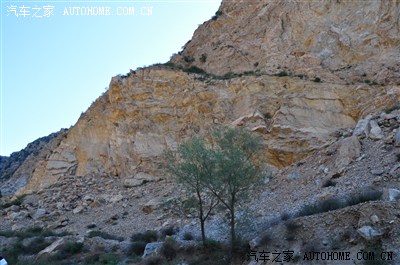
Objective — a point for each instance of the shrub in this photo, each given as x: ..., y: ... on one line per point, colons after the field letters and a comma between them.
x: 392, y: 108
x: 137, y: 248
x: 328, y: 183
x: 72, y: 248
x: 330, y: 205
x: 104, y: 235
x: 36, y: 246
x: 265, y: 240
x: 168, y: 231
x: 108, y: 259
x: 18, y: 201
x: 187, y: 236
x: 169, y: 250
x: 281, y: 74
x: 368, y: 194
x: 203, y: 58
x: 195, y: 70
x: 188, y: 59
x: 146, y: 237
x: 285, y: 216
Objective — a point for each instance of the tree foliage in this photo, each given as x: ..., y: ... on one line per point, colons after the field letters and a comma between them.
x: 221, y: 170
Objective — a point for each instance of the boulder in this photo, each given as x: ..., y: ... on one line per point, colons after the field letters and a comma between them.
x: 152, y: 249
x: 40, y: 213
x: 369, y: 233
x: 394, y: 194
x: 375, y: 132
x: 362, y: 128
x: 349, y: 149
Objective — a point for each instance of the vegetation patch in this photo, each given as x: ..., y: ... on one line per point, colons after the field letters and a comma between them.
x: 104, y: 235
x: 17, y: 201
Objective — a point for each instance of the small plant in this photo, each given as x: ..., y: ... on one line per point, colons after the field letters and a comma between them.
x: 188, y: 59
x: 108, y: 259
x: 368, y: 194
x: 282, y: 74
x: 187, y: 236
x: 137, y: 248
x: 146, y: 237
x: 329, y: 183
x: 203, y: 58
x: 392, y: 108
x: 104, y: 235
x: 265, y: 240
x: 285, y: 216
x: 36, y: 245
x: 168, y: 231
x: 317, y: 80
x: 18, y: 201
x: 169, y: 249
x: 72, y: 248
x: 91, y: 226
x: 217, y: 14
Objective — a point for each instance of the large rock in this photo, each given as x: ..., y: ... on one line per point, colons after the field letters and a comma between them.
x: 362, y: 128
x: 369, y: 233
x: 349, y: 149
x: 375, y: 132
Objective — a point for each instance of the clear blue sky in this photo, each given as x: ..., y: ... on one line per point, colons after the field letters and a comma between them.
x: 53, y: 66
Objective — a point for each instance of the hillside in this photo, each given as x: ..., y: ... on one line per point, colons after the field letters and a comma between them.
x: 301, y: 75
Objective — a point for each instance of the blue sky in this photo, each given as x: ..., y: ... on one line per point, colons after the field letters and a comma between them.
x: 53, y: 65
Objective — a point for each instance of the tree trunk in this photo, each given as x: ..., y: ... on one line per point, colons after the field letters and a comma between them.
x: 201, y: 217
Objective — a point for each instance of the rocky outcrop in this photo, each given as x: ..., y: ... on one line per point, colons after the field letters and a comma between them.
x: 17, y: 169
x: 336, y: 41
x: 294, y: 73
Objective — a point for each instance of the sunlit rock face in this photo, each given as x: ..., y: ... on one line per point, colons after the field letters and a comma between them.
x: 293, y: 72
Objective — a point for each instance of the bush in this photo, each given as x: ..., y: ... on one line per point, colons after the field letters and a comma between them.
x: 281, y: 74
x: 108, y: 259
x: 203, y: 58
x: 137, y: 248
x: 285, y: 216
x: 328, y: 183
x: 37, y: 245
x: 187, y: 236
x: 104, y: 235
x: 265, y: 240
x: 169, y: 250
x: 18, y: 201
x: 72, y: 248
x: 146, y: 237
x: 91, y: 226
x: 368, y: 194
x: 168, y: 231
x: 392, y: 108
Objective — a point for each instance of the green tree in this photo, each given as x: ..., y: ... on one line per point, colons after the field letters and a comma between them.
x: 191, y: 166
x: 222, y: 170
x: 236, y: 170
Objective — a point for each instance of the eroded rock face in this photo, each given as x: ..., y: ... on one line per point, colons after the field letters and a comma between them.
x: 127, y: 130
x: 17, y: 170
x: 344, y: 44
x: 337, y: 41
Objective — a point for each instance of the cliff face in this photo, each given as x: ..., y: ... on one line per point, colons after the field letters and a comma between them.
x: 353, y: 47
x: 17, y: 169
x: 337, y: 41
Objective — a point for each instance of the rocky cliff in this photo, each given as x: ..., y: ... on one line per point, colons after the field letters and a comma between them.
x: 293, y: 72
x: 17, y: 169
